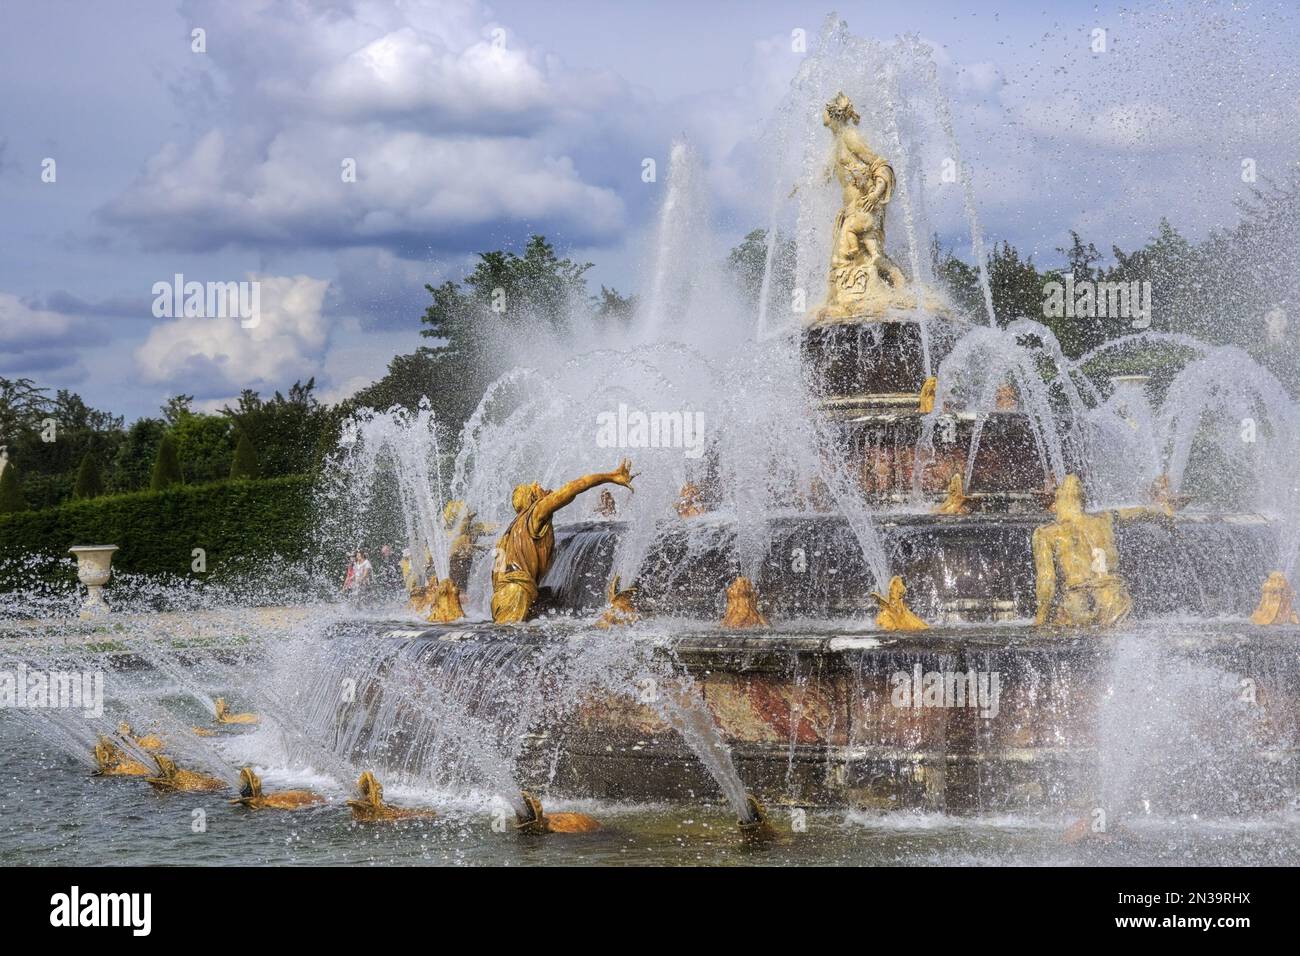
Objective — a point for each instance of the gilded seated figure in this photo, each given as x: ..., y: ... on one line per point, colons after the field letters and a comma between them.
x: 1076, y: 563
x: 524, y: 553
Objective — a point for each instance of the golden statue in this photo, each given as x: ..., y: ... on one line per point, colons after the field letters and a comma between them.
x: 147, y: 742
x: 224, y: 716
x: 608, y: 507
x: 957, y: 502
x: 690, y: 501
x: 251, y: 795
x: 463, y: 532
x: 524, y: 552
x: 1276, y: 603
x: 369, y: 807
x: 1076, y: 563
x: 172, y: 779
x: 446, y: 602
x: 536, y: 822
x: 742, y: 605
x: 621, y: 609
x: 863, y: 280
x: 436, y: 600
x: 925, y: 401
x: 110, y: 761
x: 423, y: 596
x: 894, y: 614
x: 1006, y: 399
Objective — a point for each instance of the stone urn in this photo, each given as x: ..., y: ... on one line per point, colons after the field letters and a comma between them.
x: 94, y: 568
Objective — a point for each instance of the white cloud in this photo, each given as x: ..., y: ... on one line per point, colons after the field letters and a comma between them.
x: 408, y: 185
x: 35, y: 340
x: 207, y: 356
x: 455, y: 129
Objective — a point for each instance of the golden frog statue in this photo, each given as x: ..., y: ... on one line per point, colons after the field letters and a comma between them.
x: 1276, y: 603
x: 894, y: 614
x: 957, y: 501
x: 689, y: 501
x: 929, y: 390
x: 535, y: 822
x: 251, y: 795
x: 110, y: 761
x: 742, y: 605
x: 224, y: 716
x: 621, y: 609
x: 369, y: 807
x: 173, y: 779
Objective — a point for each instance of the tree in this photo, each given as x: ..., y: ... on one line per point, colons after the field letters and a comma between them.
x: 503, y: 294
x: 176, y: 408
x: 747, y: 263
x: 205, y: 446
x: 133, y: 463
x: 11, y: 491
x: 167, y: 466
x: 284, y: 430
x: 409, y: 378
x: 245, y: 462
x: 90, y: 480
x: 611, y: 305
x: 960, y: 281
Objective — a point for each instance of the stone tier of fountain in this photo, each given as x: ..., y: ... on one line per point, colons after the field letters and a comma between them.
x: 811, y: 718
x: 959, y: 568
x: 867, y: 379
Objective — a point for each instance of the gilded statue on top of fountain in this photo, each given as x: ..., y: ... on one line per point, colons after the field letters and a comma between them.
x: 864, y: 281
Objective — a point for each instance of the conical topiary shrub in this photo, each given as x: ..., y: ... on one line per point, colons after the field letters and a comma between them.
x: 11, y: 492
x: 245, y: 464
x: 167, y: 466
x: 90, y: 481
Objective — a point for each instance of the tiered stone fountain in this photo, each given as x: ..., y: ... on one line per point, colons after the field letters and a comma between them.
x: 983, y: 709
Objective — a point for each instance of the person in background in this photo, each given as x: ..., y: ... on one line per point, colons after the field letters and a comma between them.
x: 359, y: 571
x: 389, y: 571
x: 408, y: 572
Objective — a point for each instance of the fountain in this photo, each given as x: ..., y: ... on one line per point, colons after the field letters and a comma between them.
x: 930, y: 465
x: 878, y: 554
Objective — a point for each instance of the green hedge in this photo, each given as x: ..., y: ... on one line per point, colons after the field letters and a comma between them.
x: 157, y: 531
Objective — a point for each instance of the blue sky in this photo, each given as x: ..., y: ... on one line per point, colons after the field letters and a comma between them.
x: 474, y: 124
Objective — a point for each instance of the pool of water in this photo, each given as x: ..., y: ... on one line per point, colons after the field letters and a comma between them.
x: 53, y: 812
